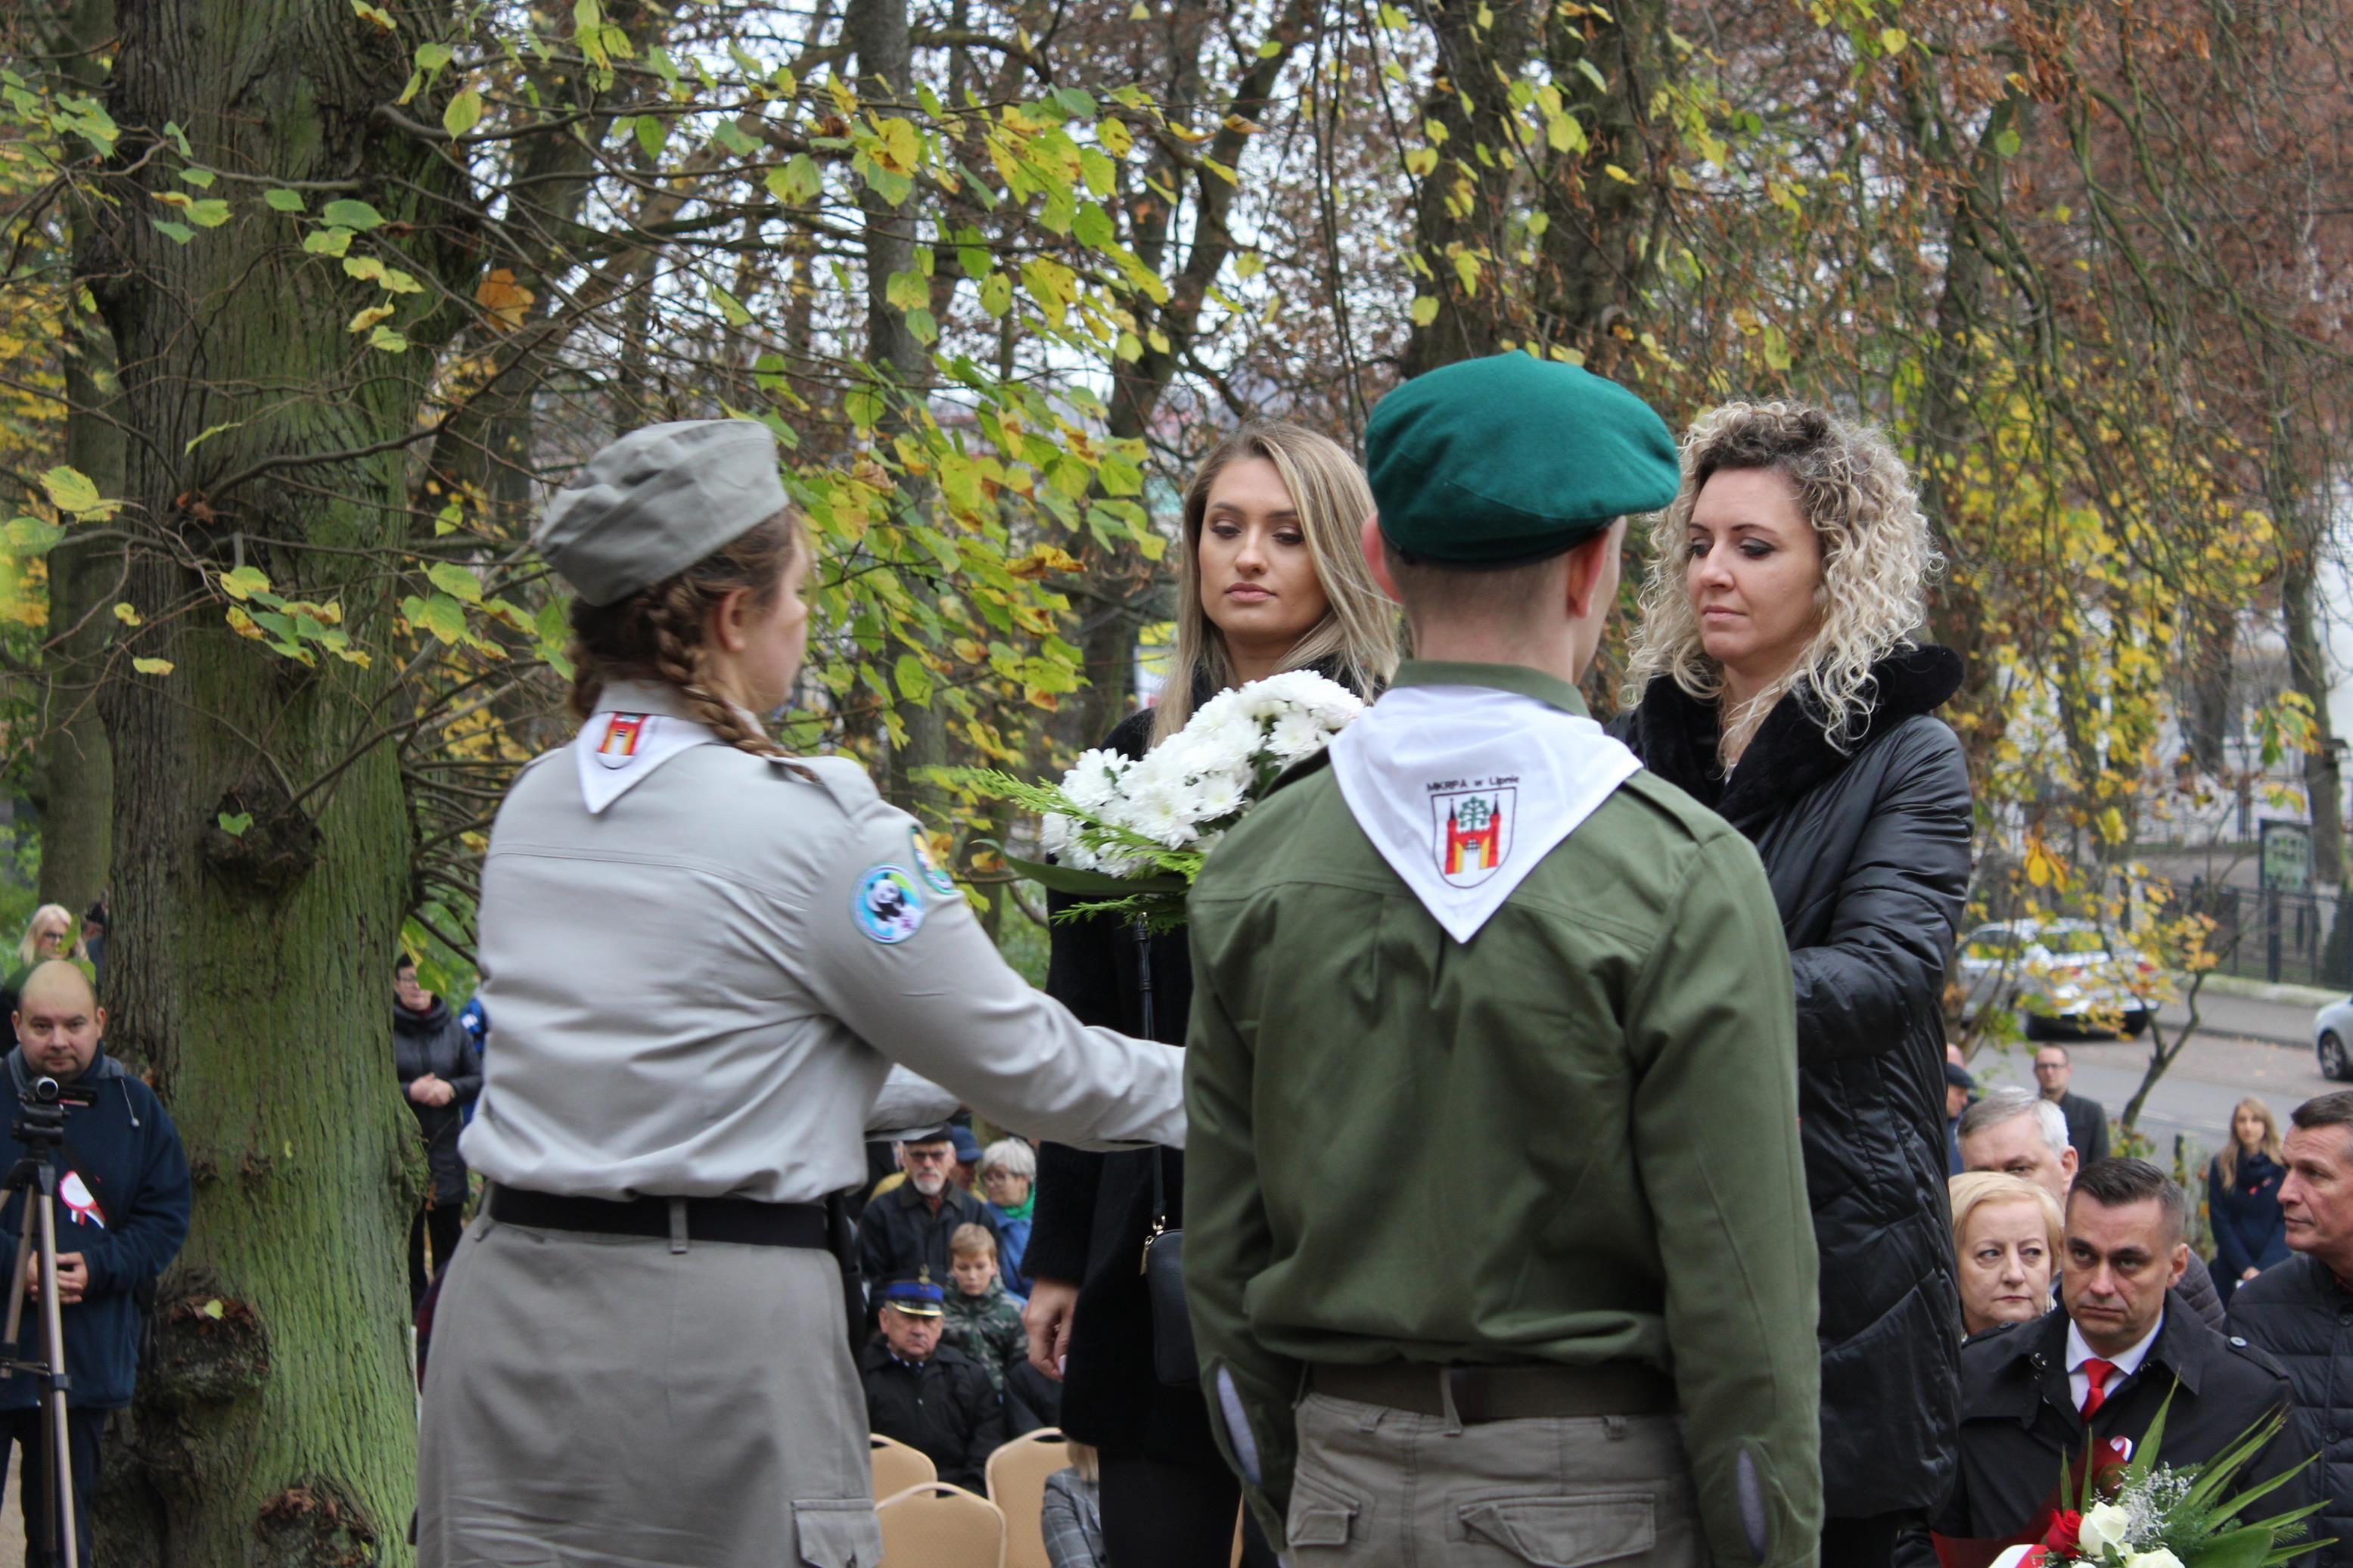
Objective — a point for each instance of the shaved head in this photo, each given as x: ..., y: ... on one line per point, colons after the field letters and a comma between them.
x: 59, y: 980
x: 58, y: 1020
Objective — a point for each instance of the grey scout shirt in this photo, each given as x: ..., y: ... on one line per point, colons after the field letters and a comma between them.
x: 702, y: 987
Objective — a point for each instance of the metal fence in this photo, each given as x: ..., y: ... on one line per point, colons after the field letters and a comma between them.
x: 2304, y: 939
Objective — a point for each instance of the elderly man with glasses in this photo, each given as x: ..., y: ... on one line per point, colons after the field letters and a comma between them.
x: 906, y: 1230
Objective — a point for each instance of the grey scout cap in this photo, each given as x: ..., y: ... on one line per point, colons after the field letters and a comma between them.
x: 657, y: 500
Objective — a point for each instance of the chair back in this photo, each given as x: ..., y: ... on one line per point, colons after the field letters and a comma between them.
x: 936, y: 1525
x: 898, y: 1466
x: 1017, y: 1485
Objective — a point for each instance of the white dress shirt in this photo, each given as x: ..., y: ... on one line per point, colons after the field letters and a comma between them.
x: 2079, y: 1381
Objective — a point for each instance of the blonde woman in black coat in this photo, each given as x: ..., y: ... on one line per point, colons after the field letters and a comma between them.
x: 1779, y: 680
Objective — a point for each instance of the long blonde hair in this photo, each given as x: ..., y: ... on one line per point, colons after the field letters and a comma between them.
x: 2229, y: 1158
x: 1877, y: 564
x: 1359, y: 632
x: 71, y: 947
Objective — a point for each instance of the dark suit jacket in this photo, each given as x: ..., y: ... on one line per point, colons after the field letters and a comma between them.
x: 2018, y: 1425
x: 2087, y: 1127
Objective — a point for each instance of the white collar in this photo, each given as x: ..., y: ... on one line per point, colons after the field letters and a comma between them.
x: 1465, y: 789
x: 638, y: 727
x: 2128, y: 1364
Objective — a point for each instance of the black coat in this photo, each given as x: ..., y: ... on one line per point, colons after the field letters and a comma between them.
x: 899, y: 1233
x: 1094, y: 1211
x: 2301, y: 1316
x: 2019, y: 1423
x: 1868, y: 853
x: 2087, y: 1128
x: 945, y: 1407
x: 2249, y: 1230
x: 433, y: 1042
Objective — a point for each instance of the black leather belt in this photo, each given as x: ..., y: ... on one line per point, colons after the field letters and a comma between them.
x: 1482, y: 1394
x: 739, y: 1220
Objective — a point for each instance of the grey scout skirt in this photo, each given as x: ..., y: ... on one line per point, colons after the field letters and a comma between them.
x: 602, y: 1402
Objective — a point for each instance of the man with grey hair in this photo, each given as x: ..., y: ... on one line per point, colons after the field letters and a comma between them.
x: 2022, y: 1134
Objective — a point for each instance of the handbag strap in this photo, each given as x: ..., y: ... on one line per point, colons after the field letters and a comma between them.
x: 1143, y: 935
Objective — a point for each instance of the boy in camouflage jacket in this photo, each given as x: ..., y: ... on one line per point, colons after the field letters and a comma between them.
x: 983, y: 1322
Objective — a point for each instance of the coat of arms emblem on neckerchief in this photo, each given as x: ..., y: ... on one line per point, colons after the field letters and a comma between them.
x: 619, y: 749
x: 1472, y: 834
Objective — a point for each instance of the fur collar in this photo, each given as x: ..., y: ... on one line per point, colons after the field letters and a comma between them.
x: 1676, y: 733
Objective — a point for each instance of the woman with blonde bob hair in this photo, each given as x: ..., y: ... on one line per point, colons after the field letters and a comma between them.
x: 1270, y: 578
x: 1780, y: 680
x: 2008, y: 1235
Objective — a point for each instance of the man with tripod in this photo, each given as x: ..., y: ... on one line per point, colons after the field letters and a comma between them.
x: 122, y: 1209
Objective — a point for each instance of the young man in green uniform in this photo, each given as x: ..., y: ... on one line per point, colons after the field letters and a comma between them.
x: 1498, y: 1243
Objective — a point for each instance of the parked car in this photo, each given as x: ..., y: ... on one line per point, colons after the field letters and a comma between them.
x: 2332, y: 1037
x: 2062, y: 977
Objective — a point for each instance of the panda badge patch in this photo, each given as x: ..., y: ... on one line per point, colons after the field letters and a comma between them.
x: 889, y: 906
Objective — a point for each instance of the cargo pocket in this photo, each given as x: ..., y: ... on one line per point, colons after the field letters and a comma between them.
x: 838, y: 1533
x: 1319, y: 1516
x: 1564, y: 1532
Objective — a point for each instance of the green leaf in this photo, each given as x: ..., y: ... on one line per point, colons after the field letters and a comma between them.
x: 208, y: 433
x: 455, y: 581
x: 200, y: 178
x: 1119, y: 477
x: 731, y: 307
x: 864, y: 406
x: 282, y: 201
x: 909, y: 290
x: 1092, y: 226
x: 440, y: 615
x: 28, y: 537
x: 462, y: 113
x: 387, y: 339
x: 996, y: 293
x: 71, y: 489
x: 327, y: 241
x: 1269, y: 49
x: 244, y: 582
x: 1425, y: 310
x: 554, y: 626
x: 913, y: 679
x: 795, y: 180
x: 178, y: 232
x: 923, y: 327
x: 2006, y: 142
x: 210, y: 213
x: 152, y: 666
x: 432, y: 57
x: 234, y: 824
x: 350, y: 214
x: 1592, y: 73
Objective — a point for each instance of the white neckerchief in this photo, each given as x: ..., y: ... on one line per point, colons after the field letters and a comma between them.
x: 1465, y: 789
x: 635, y: 730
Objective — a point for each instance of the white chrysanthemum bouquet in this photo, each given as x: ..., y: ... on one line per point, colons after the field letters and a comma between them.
x: 1133, y: 834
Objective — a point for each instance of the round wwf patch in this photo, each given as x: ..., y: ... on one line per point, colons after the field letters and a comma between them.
x: 889, y: 906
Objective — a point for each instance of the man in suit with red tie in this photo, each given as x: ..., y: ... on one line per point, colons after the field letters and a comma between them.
x: 2100, y: 1367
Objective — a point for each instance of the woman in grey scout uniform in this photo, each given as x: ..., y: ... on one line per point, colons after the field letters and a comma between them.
x: 1270, y: 579
x: 704, y: 957
x: 1787, y: 692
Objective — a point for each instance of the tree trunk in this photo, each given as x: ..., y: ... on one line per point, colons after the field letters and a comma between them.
x: 878, y: 33
x: 77, y: 761
x: 2307, y: 665
x: 250, y: 966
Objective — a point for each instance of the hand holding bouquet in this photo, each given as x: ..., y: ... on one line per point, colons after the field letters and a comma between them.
x: 1133, y: 834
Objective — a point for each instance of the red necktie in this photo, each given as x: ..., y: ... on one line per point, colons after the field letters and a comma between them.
x: 2095, y: 1392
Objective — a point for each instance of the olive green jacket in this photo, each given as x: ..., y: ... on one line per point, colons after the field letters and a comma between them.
x: 1572, y: 1139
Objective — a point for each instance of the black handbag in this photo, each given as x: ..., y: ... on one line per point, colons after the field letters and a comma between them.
x: 1173, y: 1361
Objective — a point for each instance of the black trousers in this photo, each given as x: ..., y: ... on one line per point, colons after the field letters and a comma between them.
x: 445, y: 1223
x: 1159, y: 1515
x: 24, y: 1429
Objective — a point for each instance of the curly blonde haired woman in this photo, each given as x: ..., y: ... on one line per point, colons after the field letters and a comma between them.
x: 1780, y: 681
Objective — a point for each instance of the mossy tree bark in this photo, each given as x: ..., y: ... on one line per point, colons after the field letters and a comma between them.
x: 251, y: 967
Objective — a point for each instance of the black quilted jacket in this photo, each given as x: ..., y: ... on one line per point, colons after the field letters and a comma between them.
x: 2299, y: 1312
x: 1868, y: 852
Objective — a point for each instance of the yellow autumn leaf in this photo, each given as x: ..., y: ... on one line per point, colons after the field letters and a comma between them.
x: 152, y: 666
x: 128, y: 614
x: 368, y: 318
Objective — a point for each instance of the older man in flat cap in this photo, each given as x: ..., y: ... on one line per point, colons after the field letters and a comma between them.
x: 1506, y: 1176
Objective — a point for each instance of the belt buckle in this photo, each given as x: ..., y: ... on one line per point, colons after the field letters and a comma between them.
x: 1467, y: 1391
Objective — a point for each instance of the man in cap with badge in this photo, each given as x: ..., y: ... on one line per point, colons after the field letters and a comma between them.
x: 705, y: 957
x: 1491, y: 1079
x: 926, y: 1394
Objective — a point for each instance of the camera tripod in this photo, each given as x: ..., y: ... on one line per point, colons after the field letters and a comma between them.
x: 41, y: 1129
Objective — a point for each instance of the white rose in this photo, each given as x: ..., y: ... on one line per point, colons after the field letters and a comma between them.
x: 2103, y: 1527
x: 2160, y: 1558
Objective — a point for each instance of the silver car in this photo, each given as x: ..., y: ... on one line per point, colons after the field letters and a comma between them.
x: 2332, y: 1037
x: 2064, y: 977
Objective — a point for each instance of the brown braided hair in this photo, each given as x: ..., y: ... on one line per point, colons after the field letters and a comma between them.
x: 656, y: 634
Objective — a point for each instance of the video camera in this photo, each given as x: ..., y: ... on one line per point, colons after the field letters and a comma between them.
x: 41, y: 1121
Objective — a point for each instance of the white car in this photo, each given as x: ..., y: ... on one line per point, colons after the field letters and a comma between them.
x: 2064, y: 977
x: 2332, y: 1037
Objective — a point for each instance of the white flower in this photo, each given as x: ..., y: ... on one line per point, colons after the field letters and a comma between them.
x: 1054, y: 833
x: 1217, y: 796
x: 2160, y: 1558
x: 2014, y: 1557
x: 1094, y: 779
x: 1296, y: 734
x: 2103, y: 1527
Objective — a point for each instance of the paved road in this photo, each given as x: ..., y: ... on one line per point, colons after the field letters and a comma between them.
x: 2243, y: 1047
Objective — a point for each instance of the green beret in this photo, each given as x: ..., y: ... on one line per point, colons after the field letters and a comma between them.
x: 1492, y: 462
x: 656, y: 501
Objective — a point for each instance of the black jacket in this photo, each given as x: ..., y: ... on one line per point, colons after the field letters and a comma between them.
x: 2300, y: 1314
x: 1868, y: 853
x: 127, y: 1156
x: 945, y: 1407
x: 2249, y: 1230
x: 2018, y: 1425
x: 899, y: 1234
x: 2087, y: 1128
x: 1095, y: 1210
x: 433, y: 1042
